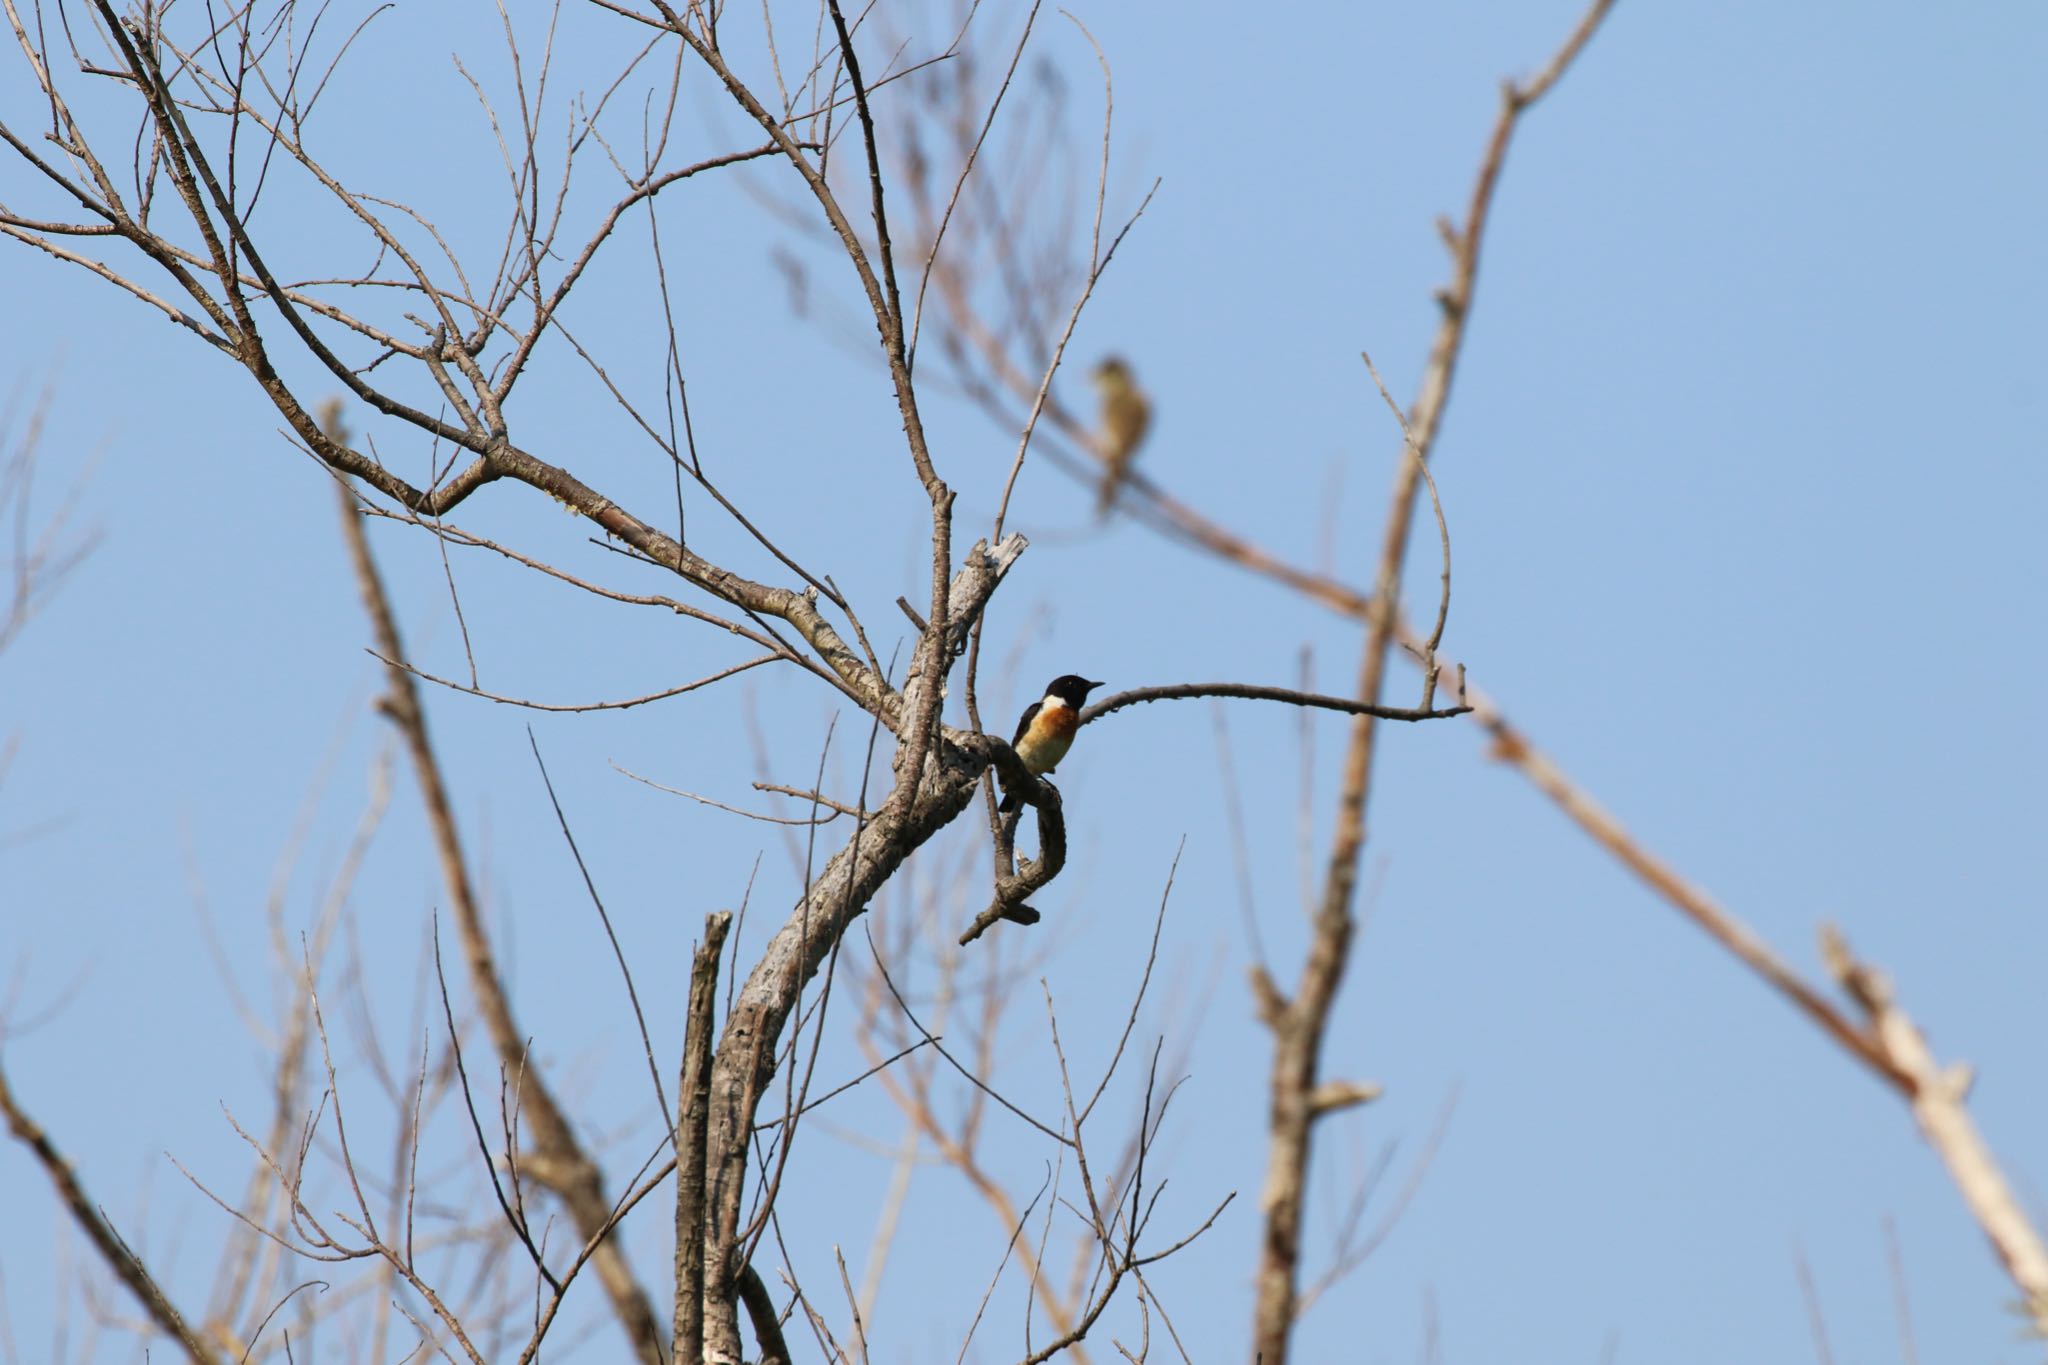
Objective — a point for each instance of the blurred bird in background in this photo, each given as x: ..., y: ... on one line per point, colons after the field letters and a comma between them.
x: 1126, y: 415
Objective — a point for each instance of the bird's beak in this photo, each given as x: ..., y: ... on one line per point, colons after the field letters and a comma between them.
x: 1092, y: 686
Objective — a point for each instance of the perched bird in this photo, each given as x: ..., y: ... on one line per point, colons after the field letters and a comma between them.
x: 1126, y: 415
x: 1046, y: 731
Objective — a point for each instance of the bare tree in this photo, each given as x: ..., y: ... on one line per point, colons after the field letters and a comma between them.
x: 166, y: 133
x: 435, y: 346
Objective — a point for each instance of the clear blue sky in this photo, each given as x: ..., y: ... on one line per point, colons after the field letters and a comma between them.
x: 1744, y: 473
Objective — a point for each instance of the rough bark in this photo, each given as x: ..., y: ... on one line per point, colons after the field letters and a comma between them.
x: 745, y: 1062
x: 693, y: 1115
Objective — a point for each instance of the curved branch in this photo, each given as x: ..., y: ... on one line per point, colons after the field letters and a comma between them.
x: 1255, y: 692
x: 1012, y: 889
x: 761, y: 1313
x: 620, y: 705
x: 1031, y: 874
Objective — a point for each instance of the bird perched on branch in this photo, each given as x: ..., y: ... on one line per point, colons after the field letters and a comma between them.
x: 1126, y: 416
x: 1046, y: 730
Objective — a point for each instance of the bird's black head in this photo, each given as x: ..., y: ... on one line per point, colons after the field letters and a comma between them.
x: 1071, y: 688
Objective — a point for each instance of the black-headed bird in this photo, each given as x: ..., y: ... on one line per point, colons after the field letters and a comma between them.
x: 1046, y: 730
x: 1126, y: 416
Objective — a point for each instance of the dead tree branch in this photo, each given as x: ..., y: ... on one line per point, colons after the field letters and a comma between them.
x: 1300, y: 1022
x: 748, y: 1047
x: 1255, y: 692
x: 693, y: 1120
x: 1937, y: 1094
x: 119, y: 1256
x: 1512, y: 747
x: 565, y: 1167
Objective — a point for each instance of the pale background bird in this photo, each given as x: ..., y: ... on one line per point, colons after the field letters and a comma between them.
x: 1126, y: 416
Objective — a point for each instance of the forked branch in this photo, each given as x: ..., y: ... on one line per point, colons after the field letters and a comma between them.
x: 1937, y: 1094
x: 1299, y: 1021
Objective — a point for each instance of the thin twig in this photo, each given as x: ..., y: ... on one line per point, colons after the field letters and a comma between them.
x: 621, y: 705
x: 1823, y: 1354
x: 604, y: 917
x: 1895, y: 1262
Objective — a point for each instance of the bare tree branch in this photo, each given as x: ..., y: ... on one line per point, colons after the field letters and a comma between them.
x: 1299, y: 1022
x: 693, y: 1121
x: 566, y: 1167
x: 1117, y: 701
x: 120, y: 1257
x: 1937, y: 1095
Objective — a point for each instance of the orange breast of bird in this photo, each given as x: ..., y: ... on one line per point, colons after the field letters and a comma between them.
x: 1048, y: 737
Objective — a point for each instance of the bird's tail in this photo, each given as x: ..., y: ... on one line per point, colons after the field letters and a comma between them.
x: 1010, y: 802
x: 1112, y: 484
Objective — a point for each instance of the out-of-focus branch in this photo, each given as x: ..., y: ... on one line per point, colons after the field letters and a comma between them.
x: 1116, y: 1218
x: 1945, y: 1123
x: 1510, y: 746
x: 251, y: 1265
x: 1937, y: 1095
x: 564, y: 1166
x: 38, y: 558
x: 126, y: 1265
x: 1299, y: 1023
x: 1889, y: 1043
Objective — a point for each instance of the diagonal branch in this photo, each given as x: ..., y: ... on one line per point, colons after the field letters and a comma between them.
x: 1888, y: 1043
x: 923, y: 692
x: 567, y: 1168
x: 1300, y: 1023
x: 1512, y: 747
x: 1937, y: 1095
x: 89, y: 1217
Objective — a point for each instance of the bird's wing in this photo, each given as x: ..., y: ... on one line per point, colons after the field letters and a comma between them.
x: 1024, y: 725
